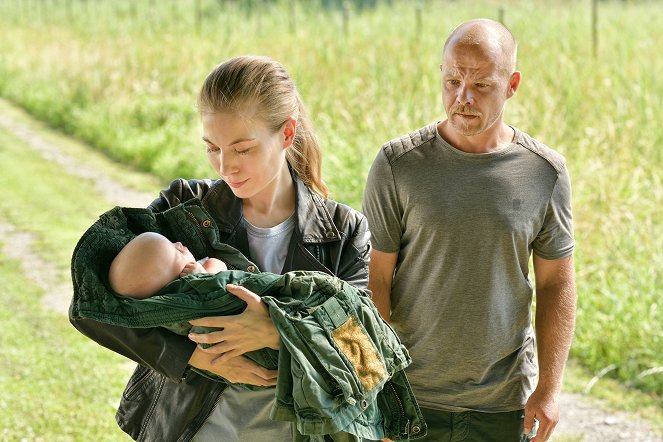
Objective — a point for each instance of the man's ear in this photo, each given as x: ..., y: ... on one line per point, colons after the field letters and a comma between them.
x: 514, y: 82
x: 289, y: 130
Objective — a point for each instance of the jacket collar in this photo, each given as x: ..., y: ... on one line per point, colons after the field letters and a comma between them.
x: 314, y: 222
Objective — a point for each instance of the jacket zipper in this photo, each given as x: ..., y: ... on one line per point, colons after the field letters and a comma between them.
x: 216, y: 402
x: 201, y: 234
x: 138, y: 383
x: 401, y: 408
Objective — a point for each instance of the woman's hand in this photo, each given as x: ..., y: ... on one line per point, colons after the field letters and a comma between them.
x: 250, y: 330
x: 239, y: 370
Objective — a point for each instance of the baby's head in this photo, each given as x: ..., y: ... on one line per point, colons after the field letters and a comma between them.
x: 146, y: 264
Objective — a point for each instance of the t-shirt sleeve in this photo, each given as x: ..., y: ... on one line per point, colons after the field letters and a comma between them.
x: 381, y: 206
x: 555, y: 239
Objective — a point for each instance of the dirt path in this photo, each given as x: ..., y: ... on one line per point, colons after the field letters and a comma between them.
x: 582, y: 420
x: 19, y: 245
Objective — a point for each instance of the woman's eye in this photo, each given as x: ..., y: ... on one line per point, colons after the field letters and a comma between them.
x: 243, y: 152
x: 211, y: 149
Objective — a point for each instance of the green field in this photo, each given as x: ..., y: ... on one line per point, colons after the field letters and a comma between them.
x: 56, y: 385
x: 123, y: 76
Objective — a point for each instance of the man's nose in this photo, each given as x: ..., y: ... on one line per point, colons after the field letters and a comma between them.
x: 465, y: 95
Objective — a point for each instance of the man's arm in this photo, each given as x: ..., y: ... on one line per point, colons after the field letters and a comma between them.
x: 380, y: 276
x: 555, y: 322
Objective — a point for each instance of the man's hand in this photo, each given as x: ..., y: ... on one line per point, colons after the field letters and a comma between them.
x: 239, y: 370
x: 250, y: 330
x: 543, y: 406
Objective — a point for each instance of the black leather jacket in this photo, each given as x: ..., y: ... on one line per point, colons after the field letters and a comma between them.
x: 165, y: 402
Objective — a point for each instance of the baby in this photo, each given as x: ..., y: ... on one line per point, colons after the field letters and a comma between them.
x: 150, y: 261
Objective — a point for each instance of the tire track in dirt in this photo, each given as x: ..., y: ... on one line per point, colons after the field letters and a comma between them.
x: 104, y: 185
x: 20, y: 246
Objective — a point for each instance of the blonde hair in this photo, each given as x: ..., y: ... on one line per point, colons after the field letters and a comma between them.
x: 262, y: 82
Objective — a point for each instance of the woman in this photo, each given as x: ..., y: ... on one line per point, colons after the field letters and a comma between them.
x: 271, y: 204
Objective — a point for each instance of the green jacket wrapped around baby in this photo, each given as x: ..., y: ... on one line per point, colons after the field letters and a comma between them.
x: 336, y: 351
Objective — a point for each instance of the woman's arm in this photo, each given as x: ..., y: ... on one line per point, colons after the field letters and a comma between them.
x: 356, y: 252
x: 250, y: 330
x: 237, y: 370
x: 254, y: 329
x: 156, y: 348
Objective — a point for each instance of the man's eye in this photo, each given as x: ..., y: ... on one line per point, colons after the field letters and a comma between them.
x: 482, y: 85
x: 453, y: 82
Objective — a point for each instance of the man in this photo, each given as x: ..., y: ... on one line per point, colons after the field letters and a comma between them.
x: 456, y: 210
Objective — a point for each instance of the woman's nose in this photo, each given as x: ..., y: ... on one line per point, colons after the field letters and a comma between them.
x: 228, y: 165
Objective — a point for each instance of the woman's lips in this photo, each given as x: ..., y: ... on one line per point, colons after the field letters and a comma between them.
x: 237, y: 184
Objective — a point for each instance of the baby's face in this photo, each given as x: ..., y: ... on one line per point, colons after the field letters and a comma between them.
x: 181, y: 256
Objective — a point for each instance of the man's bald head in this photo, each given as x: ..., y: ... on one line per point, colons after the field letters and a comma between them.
x: 487, y: 35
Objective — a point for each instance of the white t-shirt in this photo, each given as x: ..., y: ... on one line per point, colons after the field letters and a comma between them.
x: 269, y: 246
x: 243, y: 415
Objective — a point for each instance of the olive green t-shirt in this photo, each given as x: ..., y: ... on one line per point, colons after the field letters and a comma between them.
x: 464, y: 226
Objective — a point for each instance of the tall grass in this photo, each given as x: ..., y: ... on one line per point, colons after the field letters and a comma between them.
x: 123, y: 75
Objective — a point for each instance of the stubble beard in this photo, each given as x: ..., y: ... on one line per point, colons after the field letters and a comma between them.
x: 464, y: 127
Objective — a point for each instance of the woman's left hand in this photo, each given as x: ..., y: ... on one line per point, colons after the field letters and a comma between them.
x: 250, y: 330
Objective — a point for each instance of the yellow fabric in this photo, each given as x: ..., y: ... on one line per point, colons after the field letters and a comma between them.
x: 356, y: 346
